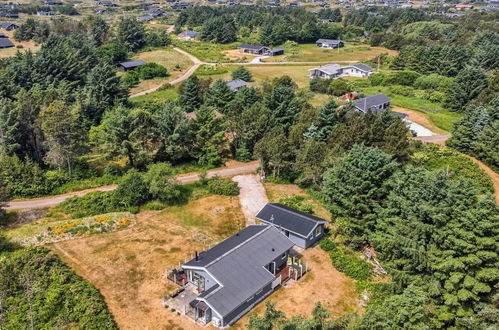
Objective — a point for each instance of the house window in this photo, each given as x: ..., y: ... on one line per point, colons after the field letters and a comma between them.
x: 318, y: 231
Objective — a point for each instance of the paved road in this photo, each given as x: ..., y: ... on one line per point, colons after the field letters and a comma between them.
x: 183, y: 77
x: 44, y: 202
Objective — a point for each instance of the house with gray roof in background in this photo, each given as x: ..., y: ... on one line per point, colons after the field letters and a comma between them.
x: 329, y: 43
x: 260, y: 50
x: 375, y: 103
x: 302, y: 228
x: 8, y: 26
x: 236, y: 84
x: 332, y: 71
x: 236, y: 274
x: 188, y: 35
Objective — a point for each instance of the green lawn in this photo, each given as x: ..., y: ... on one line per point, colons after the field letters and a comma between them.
x: 442, y: 118
x: 312, y: 53
x: 205, y: 51
x: 160, y: 96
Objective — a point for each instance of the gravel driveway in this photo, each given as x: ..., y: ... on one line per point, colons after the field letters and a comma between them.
x: 252, y: 196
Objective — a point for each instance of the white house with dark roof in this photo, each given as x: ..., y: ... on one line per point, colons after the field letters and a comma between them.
x: 302, y: 228
x: 329, y: 43
x: 260, y: 50
x: 331, y: 71
x: 188, y: 35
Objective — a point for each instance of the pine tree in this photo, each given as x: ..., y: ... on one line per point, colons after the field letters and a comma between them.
x: 190, y: 94
x: 173, y: 133
x: 62, y: 127
x: 242, y: 73
x: 219, y: 95
x: 103, y: 91
x: 354, y: 188
x: 210, y: 143
x: 327, y: 118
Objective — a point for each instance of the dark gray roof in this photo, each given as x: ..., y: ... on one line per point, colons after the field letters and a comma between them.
x: 132, y: 64
x: 238, y: 265
x: 249, y: 46
x: 370, y: 102
x: 235, y: 84
x: 363, y: 67
x: 5, y: 43
x: 2, y: 35
x: 7, y: 25
x: 208, y: 256
x: 298, y: 222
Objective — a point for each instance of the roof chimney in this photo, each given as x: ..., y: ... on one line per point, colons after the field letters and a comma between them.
x: 197, y: 256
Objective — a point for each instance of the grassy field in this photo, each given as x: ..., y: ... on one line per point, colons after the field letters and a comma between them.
x: 312, y: 53
x: 205, y: 51
x: 128, y: 266
x: 173, y: 61
x: 442, y: 118
x: 159, y: 96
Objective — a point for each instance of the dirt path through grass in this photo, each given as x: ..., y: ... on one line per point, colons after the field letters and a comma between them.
x: 185, y: 76
x: 252, y: 196
x: 43, y: 202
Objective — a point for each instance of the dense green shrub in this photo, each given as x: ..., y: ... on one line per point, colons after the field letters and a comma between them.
x: 339, y: 87
x: 162, y: 183
x: 404, y: 78
x: 319, y: 85
x: 402, y: 90
x: 297, y: 202
x: 457, y: 166
x: 132, y: 190
x: 327, y: 245
x: 93, y: 203
x: 43, y: 293
x: 432, y: 81
x: 346, y: 261
x: 144, y: 72
x: 223, y: 186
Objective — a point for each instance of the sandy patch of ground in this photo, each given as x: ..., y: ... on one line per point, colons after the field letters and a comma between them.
x: 252, y: 196
x: 420, y: 118
x: 322, y: 283
x: 235, y: 55
x: 128, y: 266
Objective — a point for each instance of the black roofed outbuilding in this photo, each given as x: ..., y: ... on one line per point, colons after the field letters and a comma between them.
x: 302, y: 228
x: 130, y: 65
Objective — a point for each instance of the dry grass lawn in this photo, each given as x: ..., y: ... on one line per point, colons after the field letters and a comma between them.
x: 277, y: 191
x: 173, y: 61
x: 128, y: 266
x: 20, y: 46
